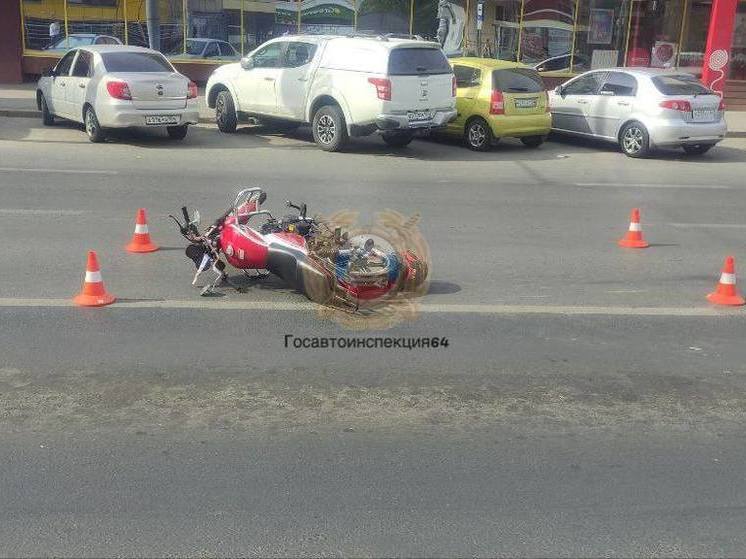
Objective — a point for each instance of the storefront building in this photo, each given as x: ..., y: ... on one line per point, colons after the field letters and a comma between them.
x: 558, y: 37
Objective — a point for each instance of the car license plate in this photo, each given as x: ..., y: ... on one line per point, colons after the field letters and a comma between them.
x: 162, y: 119
x: 703, y: 115
x: 418, y: 116
x: 525, y: 103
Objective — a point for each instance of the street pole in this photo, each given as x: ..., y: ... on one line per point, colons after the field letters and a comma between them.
x: 153, y: 19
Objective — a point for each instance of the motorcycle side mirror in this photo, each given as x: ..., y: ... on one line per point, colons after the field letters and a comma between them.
x: 262, y: 197
x: 196, y: 218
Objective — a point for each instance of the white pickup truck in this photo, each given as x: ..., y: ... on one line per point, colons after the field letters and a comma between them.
x: 342, y: 85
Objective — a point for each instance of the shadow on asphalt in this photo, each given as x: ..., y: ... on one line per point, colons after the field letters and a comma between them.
x: 440, y: 148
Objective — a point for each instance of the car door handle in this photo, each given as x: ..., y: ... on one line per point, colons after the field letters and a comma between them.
x: 81, y: 85
x: 623, y: 103
x: 269, y: 79
x: 302, y: 79
x: 582, y: 102
x: 62, y: 84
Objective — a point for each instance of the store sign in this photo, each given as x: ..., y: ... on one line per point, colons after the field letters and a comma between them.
x: 480, y: 15
x: 324, y: 13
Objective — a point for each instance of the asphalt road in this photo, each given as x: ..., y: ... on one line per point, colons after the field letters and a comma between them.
x: 590, y: 401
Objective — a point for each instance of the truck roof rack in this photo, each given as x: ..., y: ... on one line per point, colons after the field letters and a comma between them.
x: 383, y: 36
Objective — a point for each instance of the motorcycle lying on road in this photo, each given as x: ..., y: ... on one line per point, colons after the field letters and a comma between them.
x: 326, y: 264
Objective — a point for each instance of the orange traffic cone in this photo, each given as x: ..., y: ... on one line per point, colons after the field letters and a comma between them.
x: 141, y: 239
x: 94, y: 293
x: 726, y: 293
x: 633, y: 238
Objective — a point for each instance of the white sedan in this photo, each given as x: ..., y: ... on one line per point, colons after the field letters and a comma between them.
x: 115, y: 86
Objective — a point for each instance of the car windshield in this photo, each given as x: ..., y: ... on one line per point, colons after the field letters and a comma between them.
x: 517, y: 80
x: 417, y: 61
x: 135, y: 62
x: 684, y: 84
x: 72, y: 41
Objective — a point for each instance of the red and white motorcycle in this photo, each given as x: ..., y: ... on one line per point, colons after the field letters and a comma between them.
x: 319, y: 260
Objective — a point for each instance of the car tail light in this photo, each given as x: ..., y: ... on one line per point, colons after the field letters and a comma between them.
x: 497, y: 103
x: 192, y: 91
x: 453, y: 86
x: 383, y: 88
x: 119, y: 90
x: 721, y: 107
x: 677, y: 105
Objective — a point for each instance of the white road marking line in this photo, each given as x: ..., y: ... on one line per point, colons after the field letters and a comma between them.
x: 428, y: 308
x: 24, y: 211
x: 653, y: 185
x: 64, y: 171
x: 708, y: 225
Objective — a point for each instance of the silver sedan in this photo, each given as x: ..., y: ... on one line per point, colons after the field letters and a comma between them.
x: 115, y: 86
x: 641, y: 109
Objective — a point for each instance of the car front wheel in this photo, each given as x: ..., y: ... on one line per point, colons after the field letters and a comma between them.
x: 177, y: 132
x: 329, y: 128
x: 477, y: 135
x: 225, y: 113
x: 697, y: 149
x: 634, y: 140
x: 92, y: 127
x: 47, y: 117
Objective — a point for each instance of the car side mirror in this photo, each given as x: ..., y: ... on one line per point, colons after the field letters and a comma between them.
x: 541, y: 69
x: 559, y: 91
x: 49, y: 73
x: 247, y: 63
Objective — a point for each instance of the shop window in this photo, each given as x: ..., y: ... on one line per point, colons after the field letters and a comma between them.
x: 654, y: 33
x: 600, y: 34
x: 261, y: 20
x: 546, y: 31
x: 694, y: 36
x: 737, y: 70
x: 55, y: 26
x: 505, y: 29
x: 383, y: 16
x: 425, y: 19
x: 210, y: 30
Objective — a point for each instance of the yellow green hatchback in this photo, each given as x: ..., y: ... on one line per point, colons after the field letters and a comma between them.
x: 497, y: 99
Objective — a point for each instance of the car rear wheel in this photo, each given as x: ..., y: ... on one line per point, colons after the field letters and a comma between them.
x: 478, y: 135
x: 532, y: 141
x: 398, y: 139
x: 47, y: 118
x: 634, y: 140
x: 329, y: 128
x: 697, y: 149
x: 225, y: 113
x: 177, y: 132
x: 92, y: 127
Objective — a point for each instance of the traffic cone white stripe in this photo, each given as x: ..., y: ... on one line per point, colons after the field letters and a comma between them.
x: 93, y: 277
x: 141, y: 228
x: 633, y: 226
x: 728, y: 279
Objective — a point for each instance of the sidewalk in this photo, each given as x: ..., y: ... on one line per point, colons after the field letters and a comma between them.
x: 20, y: 101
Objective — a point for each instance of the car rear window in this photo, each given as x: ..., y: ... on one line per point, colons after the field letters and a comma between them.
x: 680, y: 85
x: 517, y: 80
x: 135, y: 62
x: 416, y: 61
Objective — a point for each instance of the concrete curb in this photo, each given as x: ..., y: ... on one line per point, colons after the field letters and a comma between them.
x: 22, y: 113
